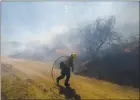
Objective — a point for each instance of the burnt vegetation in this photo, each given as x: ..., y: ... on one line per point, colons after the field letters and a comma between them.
x: 109, y: 57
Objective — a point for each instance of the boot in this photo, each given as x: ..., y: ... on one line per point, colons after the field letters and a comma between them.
x: 67, y: 84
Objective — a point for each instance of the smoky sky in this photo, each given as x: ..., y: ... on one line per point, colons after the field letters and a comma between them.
x: 41, y: 22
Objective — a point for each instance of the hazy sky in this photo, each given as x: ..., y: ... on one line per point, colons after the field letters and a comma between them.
x: 28, y: 21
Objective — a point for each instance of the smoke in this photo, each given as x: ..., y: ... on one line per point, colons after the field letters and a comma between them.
x: 43, y: 46
x: 61, y: 38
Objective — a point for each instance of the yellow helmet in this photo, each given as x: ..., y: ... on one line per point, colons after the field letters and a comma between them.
x: 73, y: 55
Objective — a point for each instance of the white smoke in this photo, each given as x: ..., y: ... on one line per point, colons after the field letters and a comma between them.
x: 60, y: 35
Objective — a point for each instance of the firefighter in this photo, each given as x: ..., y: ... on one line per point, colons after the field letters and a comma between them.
x: 65, y: 67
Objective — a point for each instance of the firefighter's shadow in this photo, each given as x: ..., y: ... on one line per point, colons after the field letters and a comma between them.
x: 69, y: 93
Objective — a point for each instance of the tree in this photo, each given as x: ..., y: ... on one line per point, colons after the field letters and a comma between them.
x: 99, y: 35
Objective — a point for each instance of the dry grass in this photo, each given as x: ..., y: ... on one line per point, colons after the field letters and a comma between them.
x: 32, y: 79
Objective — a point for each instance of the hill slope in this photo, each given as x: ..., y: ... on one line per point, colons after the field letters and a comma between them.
x: 30, y: 79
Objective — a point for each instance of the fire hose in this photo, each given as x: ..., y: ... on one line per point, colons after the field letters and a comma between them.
x: 52, y: 75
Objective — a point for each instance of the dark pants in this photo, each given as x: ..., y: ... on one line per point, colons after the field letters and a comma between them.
x: 64, y: 72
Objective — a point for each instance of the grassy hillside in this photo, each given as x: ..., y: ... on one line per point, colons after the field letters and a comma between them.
x: 30, y: 79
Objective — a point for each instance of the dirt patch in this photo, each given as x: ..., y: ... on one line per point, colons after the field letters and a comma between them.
x: 6, y: 68
x: 29, y: 81
x: 3, y: 96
